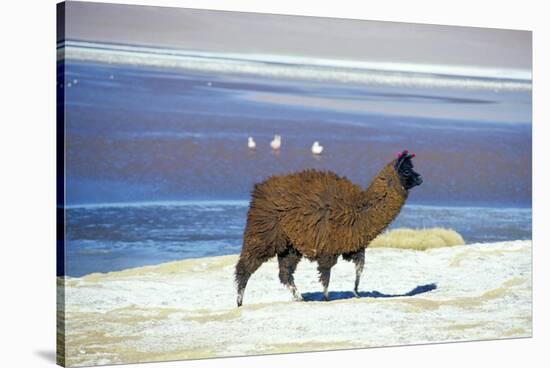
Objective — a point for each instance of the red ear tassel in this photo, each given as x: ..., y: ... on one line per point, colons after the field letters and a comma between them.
x: 405, y: 152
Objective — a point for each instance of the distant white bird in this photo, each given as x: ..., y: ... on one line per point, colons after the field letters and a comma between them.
x: 251, y: 143
x: 316, y: 149
x: 276, y: 142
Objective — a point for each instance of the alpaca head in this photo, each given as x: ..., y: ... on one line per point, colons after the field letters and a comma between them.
x: 404, y: 168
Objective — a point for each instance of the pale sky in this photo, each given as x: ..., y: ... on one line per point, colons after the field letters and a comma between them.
x: 221, y: 31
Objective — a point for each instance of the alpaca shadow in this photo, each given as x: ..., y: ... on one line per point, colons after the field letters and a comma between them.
x: 338, y: 295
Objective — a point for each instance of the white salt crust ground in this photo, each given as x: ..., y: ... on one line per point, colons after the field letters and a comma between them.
x: 187, y: 310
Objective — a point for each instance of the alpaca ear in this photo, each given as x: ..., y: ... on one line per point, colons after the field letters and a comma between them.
x: 401, y: 156
x: 398, y: 163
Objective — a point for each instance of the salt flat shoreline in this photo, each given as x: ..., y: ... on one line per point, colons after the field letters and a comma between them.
x: 186, y: 309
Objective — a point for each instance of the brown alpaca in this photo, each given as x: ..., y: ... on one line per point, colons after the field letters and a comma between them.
x: 320, y: 216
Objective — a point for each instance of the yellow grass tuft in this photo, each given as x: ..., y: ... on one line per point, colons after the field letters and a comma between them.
x: 418, y: 239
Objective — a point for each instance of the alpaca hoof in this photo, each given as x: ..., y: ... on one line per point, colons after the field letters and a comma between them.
x: 355, y: 294
x: 326, y: 298
x: 298, y: 298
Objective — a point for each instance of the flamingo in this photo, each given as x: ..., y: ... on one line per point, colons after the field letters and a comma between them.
x: 316, y: 149
x: 276, y: 142
x: 251, y: 143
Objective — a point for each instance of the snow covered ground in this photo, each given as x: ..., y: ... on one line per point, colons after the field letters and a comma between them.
x: 187, y: 309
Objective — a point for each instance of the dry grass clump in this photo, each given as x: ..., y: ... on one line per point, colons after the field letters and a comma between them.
x: 418, y: 239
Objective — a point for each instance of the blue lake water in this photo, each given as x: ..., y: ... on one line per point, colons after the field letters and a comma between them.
x: 137, y: 133
x: 114, y: 237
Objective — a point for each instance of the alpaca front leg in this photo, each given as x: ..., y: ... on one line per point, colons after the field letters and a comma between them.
x: 324, y: 265
x: 358, y: 258
x: 359, y: 261
x: 324, y: 277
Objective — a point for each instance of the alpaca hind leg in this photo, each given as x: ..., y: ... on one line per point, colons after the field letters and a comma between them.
x: 244, y: 269
x: 287, y: 265
x: 324, y: 265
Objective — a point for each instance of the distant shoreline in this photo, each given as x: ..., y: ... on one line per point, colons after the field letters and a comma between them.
x: 383, y: 73
x: 245, y: 202
x: 504, y: 74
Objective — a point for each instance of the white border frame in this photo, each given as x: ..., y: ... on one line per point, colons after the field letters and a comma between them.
x: 28, y: 179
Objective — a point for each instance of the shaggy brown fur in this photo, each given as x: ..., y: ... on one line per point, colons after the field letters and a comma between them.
x: 318, y: 215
